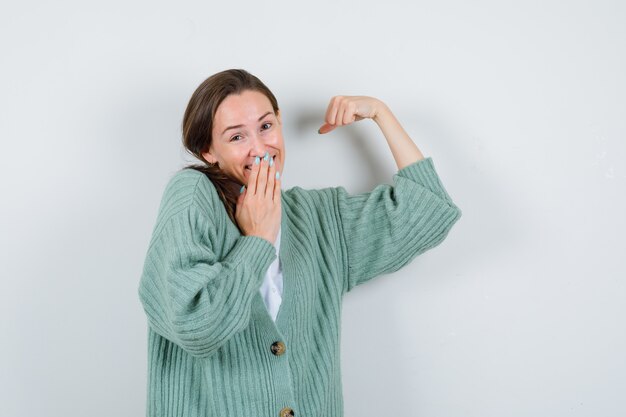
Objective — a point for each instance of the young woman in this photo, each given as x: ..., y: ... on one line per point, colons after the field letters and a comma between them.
x: 243, y: 282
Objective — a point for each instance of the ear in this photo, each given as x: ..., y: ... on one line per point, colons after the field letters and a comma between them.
x: 209, y: 157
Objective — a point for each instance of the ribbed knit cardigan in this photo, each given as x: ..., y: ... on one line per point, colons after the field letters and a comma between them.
x: 210, y: 337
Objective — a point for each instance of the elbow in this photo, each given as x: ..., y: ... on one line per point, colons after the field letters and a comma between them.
x: 456, y: 214
x: 435, y: 230
x: 441, y: 228
x: 203, y: 337
x: 196, y: 344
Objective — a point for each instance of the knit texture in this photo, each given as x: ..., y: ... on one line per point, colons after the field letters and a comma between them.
x: 209, y: 332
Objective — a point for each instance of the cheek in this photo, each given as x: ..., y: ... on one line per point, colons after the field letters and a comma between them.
x: 277, y: 139
x: 238, y: 158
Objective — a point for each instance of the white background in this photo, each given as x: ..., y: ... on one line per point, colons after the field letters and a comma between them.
x: 521, y: 105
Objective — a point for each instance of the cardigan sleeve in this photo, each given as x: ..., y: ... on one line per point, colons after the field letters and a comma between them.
x: 189, y: 295
x: 386, y: 228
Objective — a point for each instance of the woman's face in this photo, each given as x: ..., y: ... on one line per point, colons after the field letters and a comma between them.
x: 244, y: 127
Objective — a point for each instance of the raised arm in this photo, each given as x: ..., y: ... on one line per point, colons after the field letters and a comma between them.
x: 344, y: 110
x: 386, y: 228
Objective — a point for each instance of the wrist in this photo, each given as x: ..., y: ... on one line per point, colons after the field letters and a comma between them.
x: 383, y: 114
x: 262, y: 236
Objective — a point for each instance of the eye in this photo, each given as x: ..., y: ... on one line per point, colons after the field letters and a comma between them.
x: 235, y: 138
x: 266, y: 126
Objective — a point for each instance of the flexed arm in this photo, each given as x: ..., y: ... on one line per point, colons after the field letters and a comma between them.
x: 344, y: 110
x: 384, y: 229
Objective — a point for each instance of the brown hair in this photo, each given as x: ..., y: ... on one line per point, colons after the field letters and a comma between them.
x: 198, y: 126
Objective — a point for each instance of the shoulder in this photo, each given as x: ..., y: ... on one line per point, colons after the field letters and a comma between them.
x: 187, y: 189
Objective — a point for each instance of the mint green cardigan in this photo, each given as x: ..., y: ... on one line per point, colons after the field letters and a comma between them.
x: 213, y: 349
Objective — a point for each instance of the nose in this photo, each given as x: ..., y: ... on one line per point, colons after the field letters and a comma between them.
x: 258, y: 146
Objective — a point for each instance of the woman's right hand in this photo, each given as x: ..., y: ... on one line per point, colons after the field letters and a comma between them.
x: 258, y: 208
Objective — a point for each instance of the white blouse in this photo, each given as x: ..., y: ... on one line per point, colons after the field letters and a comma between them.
x: 272, y: 287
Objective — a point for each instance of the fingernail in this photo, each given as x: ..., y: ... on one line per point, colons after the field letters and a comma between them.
x: 266, y: 156
x: 243, y: 187
x: 319, y: 130
x: 277, y: 174
x: 271, y: 161
x: 257, y: 160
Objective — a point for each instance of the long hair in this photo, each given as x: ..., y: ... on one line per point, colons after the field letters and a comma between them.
x: 198, y: 126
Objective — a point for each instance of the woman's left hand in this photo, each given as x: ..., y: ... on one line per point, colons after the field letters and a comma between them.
x: 343, y: 110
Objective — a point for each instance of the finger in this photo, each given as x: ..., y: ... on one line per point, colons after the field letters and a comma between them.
x: 240, y: 198
x: 340, y: 114
x: 271, y: 172
x: 277, y: 185
x: 348, y: 115
x: 329, y: 110
x: 331, y: 115
x: 252, y: 179
x: 262, y: 178
x: 325, y: 128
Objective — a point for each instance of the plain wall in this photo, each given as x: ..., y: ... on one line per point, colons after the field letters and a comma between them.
x: 521, y: 105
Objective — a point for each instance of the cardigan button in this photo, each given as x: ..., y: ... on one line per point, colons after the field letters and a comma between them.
x: 278, y: 348
x: 286, y: 412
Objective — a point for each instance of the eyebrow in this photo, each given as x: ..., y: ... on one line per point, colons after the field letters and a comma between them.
x: 238, y: 126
